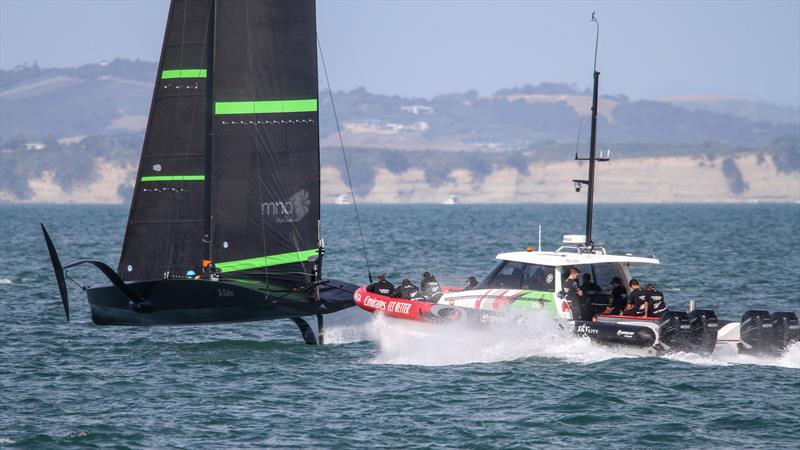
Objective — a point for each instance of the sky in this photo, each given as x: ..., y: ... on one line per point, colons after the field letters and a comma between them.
x: 651, y: 50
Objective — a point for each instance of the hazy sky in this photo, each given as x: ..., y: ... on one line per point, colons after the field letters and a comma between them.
x: 424, y: 48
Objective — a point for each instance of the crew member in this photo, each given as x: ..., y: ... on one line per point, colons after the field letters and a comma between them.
x: 407, y: 291
x: 381, y: 287
x: 619, y: 297
x: 573, y: 294
x: 426, y: 278
x: 472, y: 283
x: 432, y: 290
x: 655, y: 301
x: 637, y: 300
x: 588, y: 287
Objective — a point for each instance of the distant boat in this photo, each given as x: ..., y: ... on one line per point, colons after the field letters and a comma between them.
x: 343, y: 199
x: 224, y: 222
x: 451, y: 200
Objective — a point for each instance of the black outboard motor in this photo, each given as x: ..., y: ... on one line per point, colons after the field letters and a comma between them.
x: 704, y: 327
x: 674, y: 331
x: 755, y: 333
x: 785, y: 330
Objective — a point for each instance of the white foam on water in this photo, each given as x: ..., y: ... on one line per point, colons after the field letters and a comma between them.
x: 4, y: 441
x: 426, y: 344
x: 728, y: 355
x: 5, y: 281
x: 417, y: 343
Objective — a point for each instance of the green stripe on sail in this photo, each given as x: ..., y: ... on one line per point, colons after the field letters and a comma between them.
x: 175, y: 178
x: 183, y: 73
x: 266, y: 261
x: 266, y: 107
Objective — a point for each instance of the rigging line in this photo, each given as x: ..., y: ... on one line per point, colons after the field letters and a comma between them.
x: 344, y: 155
x: 578, y: 142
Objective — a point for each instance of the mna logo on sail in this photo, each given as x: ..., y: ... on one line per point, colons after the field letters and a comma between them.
x: 292, y: 209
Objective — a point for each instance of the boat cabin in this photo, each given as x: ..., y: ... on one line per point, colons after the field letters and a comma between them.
x: 545, y: 271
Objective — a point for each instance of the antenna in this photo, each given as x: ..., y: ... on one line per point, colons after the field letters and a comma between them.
x: 540, y: 238
x: 596, y: 39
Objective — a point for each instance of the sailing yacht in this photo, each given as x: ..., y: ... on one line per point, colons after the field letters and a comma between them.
x: 224, y: 224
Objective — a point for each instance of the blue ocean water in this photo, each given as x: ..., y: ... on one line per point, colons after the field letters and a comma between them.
x: 384, y: 383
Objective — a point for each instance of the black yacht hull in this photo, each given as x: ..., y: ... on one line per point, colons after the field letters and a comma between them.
x: 186, y: 302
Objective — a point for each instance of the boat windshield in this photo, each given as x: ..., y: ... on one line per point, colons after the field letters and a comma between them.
x: 517, y: 275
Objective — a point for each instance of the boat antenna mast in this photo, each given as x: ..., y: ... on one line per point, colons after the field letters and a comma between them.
x: 592, y: 149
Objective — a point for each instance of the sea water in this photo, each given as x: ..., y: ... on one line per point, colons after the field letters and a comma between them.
x: 385, y: 383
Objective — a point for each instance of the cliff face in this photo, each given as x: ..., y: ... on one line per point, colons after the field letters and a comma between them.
x: 681, y: 179
x: 743, y: 178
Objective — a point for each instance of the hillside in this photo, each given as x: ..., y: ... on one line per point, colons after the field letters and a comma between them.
x: 74, y: 135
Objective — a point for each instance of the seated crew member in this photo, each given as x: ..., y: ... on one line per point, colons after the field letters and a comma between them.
x: 426, y: 277
x: 472, y: 283
x: 573, y: 294
x: 618, y: 299
x: 407, y: 291
x: 588, y: 287
x: 655, y: 301
x: 637, y: 301
x: 381, y: 287
x: 432, y: 289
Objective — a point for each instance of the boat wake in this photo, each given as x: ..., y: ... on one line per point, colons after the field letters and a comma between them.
x: 726, y: 356
x: 404, y: 342
x: 417, y: 343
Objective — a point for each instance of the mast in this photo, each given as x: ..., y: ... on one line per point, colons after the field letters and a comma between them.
x: 592, y: 148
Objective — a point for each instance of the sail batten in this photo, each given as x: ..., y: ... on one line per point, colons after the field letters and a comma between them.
x: 183, y: 73
x: 266, y: 107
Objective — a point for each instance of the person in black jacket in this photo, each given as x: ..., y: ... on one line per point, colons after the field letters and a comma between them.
x: 656, y: 306
x: 381, y: 287
x: 426, y: 278
x: 637, y: 301
x: 588, y: 287
x: 573, y: 294
x: 432, y: 290
x: 407, y: 291
x: 619, y: 297
x: 472, y: 283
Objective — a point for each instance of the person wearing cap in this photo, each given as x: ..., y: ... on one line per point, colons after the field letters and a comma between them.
x: 619, y: 297
x: 472, y: 283
x: 656, y: 306
x: 637, y: 301
x: 408, y: 291
x: 573, y: 294
x: 382, y: 286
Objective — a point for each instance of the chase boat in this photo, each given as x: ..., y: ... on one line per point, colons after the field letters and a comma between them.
x: 528, y: 280
x: 531, y: 280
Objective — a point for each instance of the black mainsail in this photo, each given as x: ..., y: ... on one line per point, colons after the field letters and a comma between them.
x: 229, y: 179
x: 265, y: 189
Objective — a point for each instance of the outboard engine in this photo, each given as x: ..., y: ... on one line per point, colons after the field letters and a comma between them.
x: 785, y: 329
x: 703, y: 326
x: 674, y: 331
x: 755, y: 333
